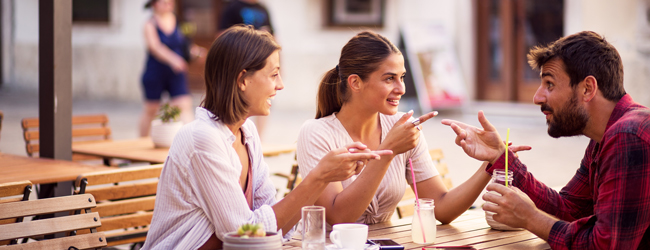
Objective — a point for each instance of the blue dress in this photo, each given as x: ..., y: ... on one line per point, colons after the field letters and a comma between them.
x: 158, y: 76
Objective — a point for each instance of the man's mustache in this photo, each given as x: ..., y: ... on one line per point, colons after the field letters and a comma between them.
x: 545, y: 107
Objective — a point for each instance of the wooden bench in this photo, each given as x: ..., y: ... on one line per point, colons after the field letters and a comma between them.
x: 85, y: 129
x: 12, y: 192
x: 126, y: 203
x: 65, y: 224
x: 405, y: 206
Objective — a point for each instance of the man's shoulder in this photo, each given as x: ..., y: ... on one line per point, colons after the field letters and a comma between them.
x: 635, y: 121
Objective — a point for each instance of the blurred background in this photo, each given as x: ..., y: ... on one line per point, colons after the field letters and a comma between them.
x: 462, y: 56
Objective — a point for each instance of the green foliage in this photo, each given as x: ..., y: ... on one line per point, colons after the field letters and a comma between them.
x: 251, y: 230
x: 169, y: 113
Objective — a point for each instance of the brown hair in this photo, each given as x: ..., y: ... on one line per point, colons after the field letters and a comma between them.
x: 361, y: 56
x: 239, y: 48
x: 584, y: 54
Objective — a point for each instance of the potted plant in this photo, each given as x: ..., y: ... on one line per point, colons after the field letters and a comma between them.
x: 165, y: 127
x: 252, y: 236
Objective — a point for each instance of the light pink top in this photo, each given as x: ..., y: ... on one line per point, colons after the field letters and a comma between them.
x: 319, y: 136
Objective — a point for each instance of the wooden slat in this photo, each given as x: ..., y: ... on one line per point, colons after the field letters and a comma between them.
x: 126, y: 221
x: 124, y: 190
x: 46, y: 206
x: 33, y: 135
x: 110, y: 236
x: 49, y: 226
x: 125, y: 206
x: 86, y: 241
x: 13, y: 188
x: 120, y: 175
x: 436, y: 154
x: 32, y: 122
x: 442, y: 169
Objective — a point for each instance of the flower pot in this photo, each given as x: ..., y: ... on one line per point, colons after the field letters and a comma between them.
x: 271, y: 241
x: 162, y: 133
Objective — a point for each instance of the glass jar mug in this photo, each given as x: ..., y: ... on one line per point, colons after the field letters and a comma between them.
x: 499, y: 177
x: 423, y: 227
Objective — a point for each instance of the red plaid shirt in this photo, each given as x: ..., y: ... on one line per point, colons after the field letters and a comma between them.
x: 607, y: 203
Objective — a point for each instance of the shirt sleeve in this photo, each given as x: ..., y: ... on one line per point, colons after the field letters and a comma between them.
x: 621, y: 213
x: 312, y: 146
x: 215, y: 182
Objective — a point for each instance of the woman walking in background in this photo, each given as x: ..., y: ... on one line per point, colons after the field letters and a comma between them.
x: 166, y: 67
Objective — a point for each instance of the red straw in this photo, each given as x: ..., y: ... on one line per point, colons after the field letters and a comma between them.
x: 417, y: 200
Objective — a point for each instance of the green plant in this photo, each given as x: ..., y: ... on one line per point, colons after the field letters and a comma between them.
x: 169, y: 113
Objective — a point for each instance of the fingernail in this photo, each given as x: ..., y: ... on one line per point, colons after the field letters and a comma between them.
x: 410, y: 111
x: 351, y: 150
x: 377, y: 157
x: 435, y: 113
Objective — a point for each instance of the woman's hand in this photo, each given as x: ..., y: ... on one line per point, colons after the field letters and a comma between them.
x: 404, y: 135
x: 340, y: 164
x: 178, y: 64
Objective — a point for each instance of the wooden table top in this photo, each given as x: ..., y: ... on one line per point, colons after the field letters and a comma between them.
x: 468, y: 229
x: 41, y: 170
x: 143, y: 150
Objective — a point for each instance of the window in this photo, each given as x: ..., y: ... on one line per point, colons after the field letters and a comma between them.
x: 91, y: 11
x: 355, y: 12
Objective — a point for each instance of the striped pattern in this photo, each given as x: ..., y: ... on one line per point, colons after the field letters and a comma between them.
x: 319, y: 136
x: 199, y: 192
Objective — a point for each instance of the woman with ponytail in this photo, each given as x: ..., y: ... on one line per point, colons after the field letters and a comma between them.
x: 357, y: 101
x: 215, y: 179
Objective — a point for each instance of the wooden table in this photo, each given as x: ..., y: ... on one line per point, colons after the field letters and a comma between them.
x: 468, y: 229
x: 41, y: 170
x: 143, y: 150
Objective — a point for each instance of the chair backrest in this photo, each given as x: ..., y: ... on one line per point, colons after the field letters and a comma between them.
x: 63, y: 224
x: 126, y: 204
x: 12, y: 192
x: 405, y: 206
x: 85, y: 129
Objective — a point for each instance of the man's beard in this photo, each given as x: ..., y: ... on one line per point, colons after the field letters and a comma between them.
x: 570, y: 121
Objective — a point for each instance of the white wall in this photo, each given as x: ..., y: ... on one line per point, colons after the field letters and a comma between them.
x: 309, y: 48
x: 107, y: 59
x: 624, y: 24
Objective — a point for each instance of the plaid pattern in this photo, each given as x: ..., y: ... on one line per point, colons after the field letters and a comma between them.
x: 606, y: 205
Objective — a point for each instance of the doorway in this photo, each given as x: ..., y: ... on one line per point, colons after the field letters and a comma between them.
x: 506, y: 31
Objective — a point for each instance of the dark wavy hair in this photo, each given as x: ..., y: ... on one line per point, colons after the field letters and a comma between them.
x: 585, y: 54
x: 239, y: 48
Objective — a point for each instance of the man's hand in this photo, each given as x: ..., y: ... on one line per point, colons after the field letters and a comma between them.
x: 482, y: 144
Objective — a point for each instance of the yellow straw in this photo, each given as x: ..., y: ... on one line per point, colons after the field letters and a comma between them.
x: 507, y: 142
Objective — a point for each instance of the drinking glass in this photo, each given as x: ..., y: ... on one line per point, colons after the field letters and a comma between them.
x: 499, y: 177
x: 424, y: 232
x: 313, y: 227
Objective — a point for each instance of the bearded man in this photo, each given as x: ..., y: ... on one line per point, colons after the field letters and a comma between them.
x: 606, y: 205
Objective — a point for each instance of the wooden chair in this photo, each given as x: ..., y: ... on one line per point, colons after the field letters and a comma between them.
x: 12, y: 192
x: 293, y: 179
x: 85, y: 129
x: 64, y: 224
x: 126, y: 204
x: 405, y: 206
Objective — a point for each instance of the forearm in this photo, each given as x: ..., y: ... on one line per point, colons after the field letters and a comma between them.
x: 164, y: 54
x: 453, y: 203
x: 541, y: 224
x: 287, y: 210
x: 350, y: 203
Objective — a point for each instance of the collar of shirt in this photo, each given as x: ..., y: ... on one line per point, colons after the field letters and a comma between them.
x: 204, y: 114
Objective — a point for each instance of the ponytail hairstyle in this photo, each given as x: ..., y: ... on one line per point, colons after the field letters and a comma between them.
x: 362, y: 55
x: 239, y: 48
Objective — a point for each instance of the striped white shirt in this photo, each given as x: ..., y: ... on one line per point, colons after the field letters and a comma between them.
x: 199, y: 191
x: 319, y: 136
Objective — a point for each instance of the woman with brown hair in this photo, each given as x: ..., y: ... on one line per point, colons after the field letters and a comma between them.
x: 357, y: 101
x: 215, y: 178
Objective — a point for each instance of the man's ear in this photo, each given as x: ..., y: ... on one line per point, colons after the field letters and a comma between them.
x: 354, y: 82
x: 241, y: 80
x: 589, y: 88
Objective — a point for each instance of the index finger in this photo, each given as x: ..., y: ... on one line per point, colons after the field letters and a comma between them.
x: 425, y: 117
x: 497, y: 188
x: 364, y: 156
x: 448, y: 122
